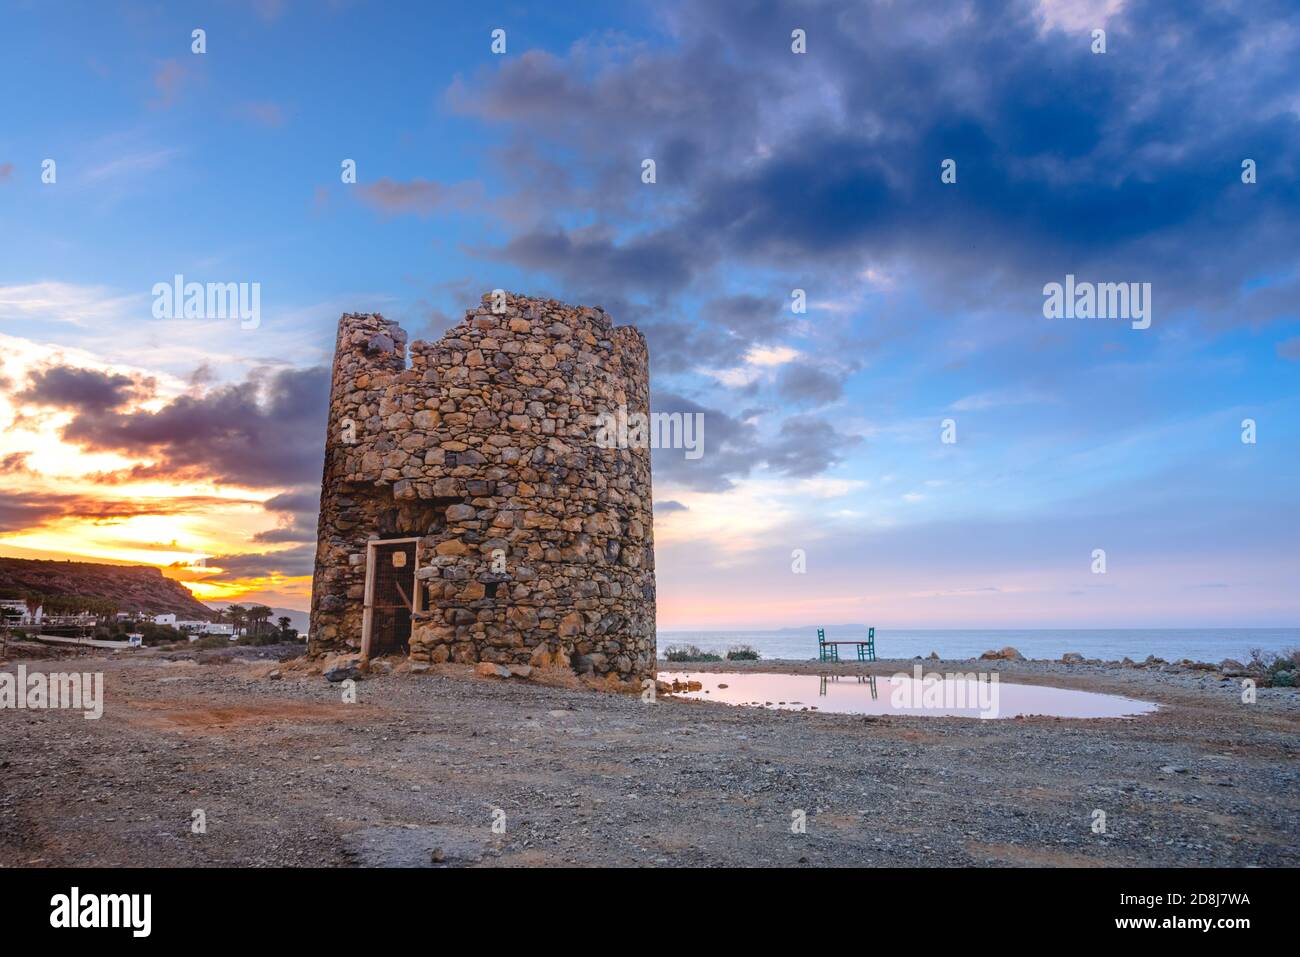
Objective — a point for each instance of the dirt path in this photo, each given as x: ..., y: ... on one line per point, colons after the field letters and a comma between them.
x: 417, y: 770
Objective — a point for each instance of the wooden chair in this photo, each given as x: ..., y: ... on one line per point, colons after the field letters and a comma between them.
x: 828, y: 650
x: 867, y: 649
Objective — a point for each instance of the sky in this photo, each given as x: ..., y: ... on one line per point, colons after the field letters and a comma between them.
x: 921, y: 446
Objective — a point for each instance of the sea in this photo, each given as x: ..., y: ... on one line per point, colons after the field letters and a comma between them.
x: 1109, y: 644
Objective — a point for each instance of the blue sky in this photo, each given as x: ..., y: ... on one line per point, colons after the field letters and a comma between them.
x: 775, y: 171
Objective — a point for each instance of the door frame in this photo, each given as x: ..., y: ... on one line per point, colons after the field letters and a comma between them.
x: 368, y: 609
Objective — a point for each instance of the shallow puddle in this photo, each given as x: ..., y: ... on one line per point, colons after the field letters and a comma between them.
x: 931, y: 694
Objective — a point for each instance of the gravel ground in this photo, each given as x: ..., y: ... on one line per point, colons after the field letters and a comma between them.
x: 417, y: 770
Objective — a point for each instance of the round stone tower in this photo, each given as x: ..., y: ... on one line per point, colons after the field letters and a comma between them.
x: 473, y: 508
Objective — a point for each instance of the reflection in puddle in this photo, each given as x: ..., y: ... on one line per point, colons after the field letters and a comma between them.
x: 929, y: 694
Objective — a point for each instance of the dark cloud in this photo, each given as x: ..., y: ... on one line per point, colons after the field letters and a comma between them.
x: 816, y: 170
x: 617, y: 103
x: 730, y: 447
x: 1067, y: 161
x: 678, y: 345
x: 803, y: 446
x: 294, y: 502
x: 289, y: 563
x: 87, y: 390
x: 807, y: 446
x: 752, y: 318
x: 265, y: 432
x: 19, y: 512
x: 15, y: 463
x: 803, y: 381
x: 26, y: 510
x: 669, y: 505
x: 286, y: 534
x: 298, y: 512
x: 660, y: 261
x: 203, y: 375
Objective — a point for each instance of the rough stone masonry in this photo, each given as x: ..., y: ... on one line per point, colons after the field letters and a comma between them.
x: 531, y: 543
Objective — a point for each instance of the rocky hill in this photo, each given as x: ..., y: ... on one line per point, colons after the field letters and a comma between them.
x: 135, y: 588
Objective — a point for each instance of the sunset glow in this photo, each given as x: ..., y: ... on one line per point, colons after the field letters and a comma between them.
x: 863, y: 338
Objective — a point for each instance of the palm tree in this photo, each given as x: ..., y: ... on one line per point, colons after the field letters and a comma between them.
x: 284, y: 621
x: 259, y: 615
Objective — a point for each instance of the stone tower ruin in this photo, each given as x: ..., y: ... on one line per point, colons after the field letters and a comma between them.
x: 468, y: 512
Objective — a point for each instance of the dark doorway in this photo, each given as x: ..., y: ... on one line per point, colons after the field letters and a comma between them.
x: 392, y: 597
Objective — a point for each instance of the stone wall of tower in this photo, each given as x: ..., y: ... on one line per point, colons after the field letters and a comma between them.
x: 533, y: 540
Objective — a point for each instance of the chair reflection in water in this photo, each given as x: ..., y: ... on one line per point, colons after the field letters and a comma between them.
x: 862, y: 680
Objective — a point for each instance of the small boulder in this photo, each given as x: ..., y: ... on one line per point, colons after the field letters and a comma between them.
x: 487, y: 669
x: 521, y: 671
x: 343, y: 673
x: 1071, y: 658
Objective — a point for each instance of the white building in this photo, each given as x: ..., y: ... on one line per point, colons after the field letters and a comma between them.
x: 165, y: 620
x: 16, y: 608
x: 196, y: 628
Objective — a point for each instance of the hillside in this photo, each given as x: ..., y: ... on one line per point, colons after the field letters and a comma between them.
x: 135, y: 588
